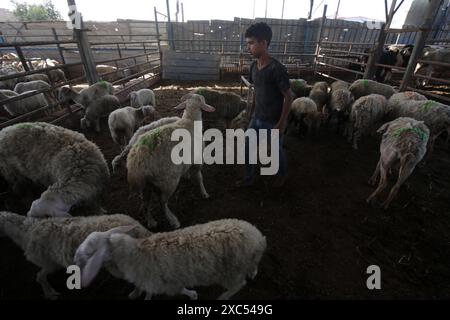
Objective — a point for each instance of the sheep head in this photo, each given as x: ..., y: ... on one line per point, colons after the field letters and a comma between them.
x: 194, y: 101
x: 94, y: 251
x: 49, y: 206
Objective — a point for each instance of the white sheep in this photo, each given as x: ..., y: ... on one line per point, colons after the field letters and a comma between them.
x: 143, y: 97
x: 72, y: 167
x: 398, y: 98
x: 366, y: 112
x: 155, y: 124
x: 304, y: 111
x: 340, y: 106
x: 299, y: 88
x: 150, y: 164
x: 86, y: 95
x: 435, y: 115
x: 51, y: 243
x: 97, y: 109
x: 222, y: 252
x: 364, y: 87
x: 124, y: 122
x: 37, y: 76
x: 228, y: 105
x: 319, y: 94
x: 404, y: 142
x: 24, y: 105
x: 22, y: 87
x: 339, y: 85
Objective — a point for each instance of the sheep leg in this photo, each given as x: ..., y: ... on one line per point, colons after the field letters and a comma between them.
x: 191, y: 294
x: 199, y: 179
x: 147, y: 196
x: 384, y: 169
x: 356, y: 136
x: 148, y: 296
x: 136, y: 293
x: 169, y: 216
x: 373, y: 179
x: 233, y: 290
x: 97, y: 125
x: 41, y: 278
x: 406, y: 168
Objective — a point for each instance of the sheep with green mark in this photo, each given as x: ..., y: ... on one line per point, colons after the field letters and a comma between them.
x: 404, y: 143
x: 150, y: 165
x: 364, y: 87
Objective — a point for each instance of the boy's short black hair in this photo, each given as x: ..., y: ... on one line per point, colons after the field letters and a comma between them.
x: 260, y: 31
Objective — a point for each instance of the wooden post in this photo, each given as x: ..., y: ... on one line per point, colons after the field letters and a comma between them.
x: 84, y: 49
x: 61, y: 53
x: 169, y: 27
x: 375, y: 56
x: 22, y: 58
x: 433, y: 5
x: 319, y: 37
x: 158, y: 38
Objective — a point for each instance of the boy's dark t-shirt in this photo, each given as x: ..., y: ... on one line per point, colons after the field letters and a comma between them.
x: 269, y: 83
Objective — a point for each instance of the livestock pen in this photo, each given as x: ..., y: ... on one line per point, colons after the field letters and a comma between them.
x: 321, y: 234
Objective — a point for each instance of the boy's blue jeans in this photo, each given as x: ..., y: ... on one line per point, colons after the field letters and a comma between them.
x: 257, y: 125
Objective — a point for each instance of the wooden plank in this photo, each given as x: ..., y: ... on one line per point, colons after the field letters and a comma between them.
x: 188, y: 69
x: 185, y: 77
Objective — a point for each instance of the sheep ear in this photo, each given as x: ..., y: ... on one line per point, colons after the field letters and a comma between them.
x: 93, y: 265
x: 121, y: 229
x: 186, y: 97
x: 208, y: 108
x: 181, y: 106
x: 383, y: 128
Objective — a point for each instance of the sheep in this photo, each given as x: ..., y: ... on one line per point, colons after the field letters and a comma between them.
x: 143, y: 97
x: 124, y: 122
x: 241, y: 121
x: 51, y: 243
x: 10, y: 83
x: 21, y: 87
x: 364, y: 87
x: 223, y: 252
x: 404, y: 142
x: 99, y: 108
x: 57, y: 75
x: 398, y: 98
x: 339, y: 85
x: 87, y: 95
x: 150, y: 164
x: 366, y: 112
x: 155, y: 124
x: 24, y: 105
x: 304, y: 110
x: 227, y: 104
x: 299, y: 88
x: 435, y: 115
x: 72, y: 167
x: 37, y: 76
x: 340, y: 105
x: 319, y: 94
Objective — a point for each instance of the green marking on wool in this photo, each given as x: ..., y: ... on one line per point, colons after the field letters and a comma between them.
x: 297, y: 85
x: 366, y: 83
x: 420, y: 133
x: 201, y: 92
x: 151, y: 140
x: 104, y: 84
x: 25, y: 125
x: 427, y: 105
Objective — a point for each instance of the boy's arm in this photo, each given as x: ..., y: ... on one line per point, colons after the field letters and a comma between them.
x: 252, y: 104
x: 285, y: 112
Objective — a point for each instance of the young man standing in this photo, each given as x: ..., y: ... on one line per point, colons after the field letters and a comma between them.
x: 272, y: 96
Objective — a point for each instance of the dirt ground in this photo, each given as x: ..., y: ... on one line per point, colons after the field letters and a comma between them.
x: 321, y: 234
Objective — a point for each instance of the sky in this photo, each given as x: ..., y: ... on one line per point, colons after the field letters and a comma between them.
x: 107, y: 10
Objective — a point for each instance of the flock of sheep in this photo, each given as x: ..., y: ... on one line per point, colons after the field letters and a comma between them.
x: 223, y: 252
x: 74, y: 170
x: 409, y: 122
